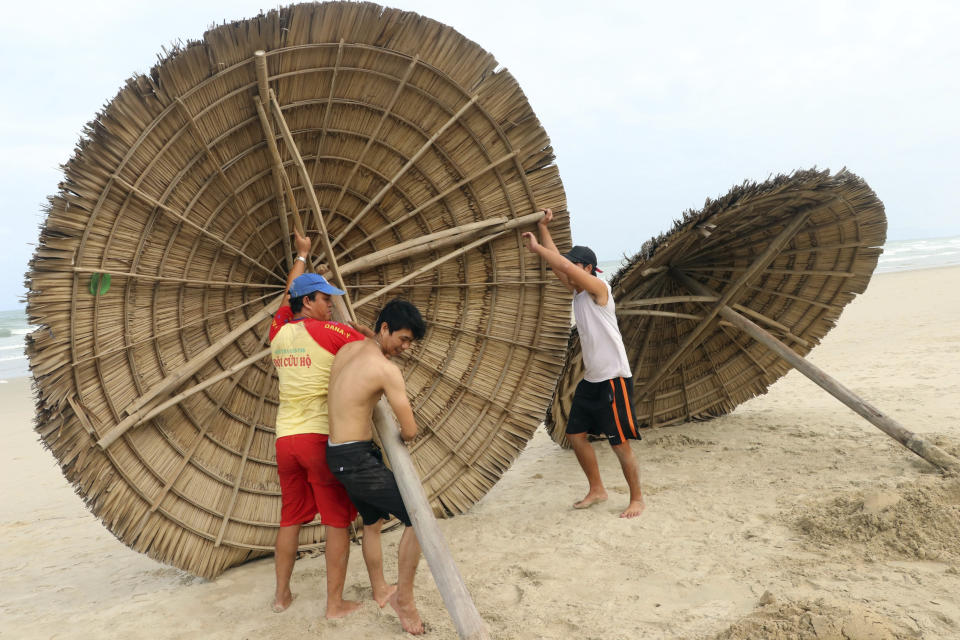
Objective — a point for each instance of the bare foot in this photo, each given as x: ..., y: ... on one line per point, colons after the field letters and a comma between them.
x: 383, y: 595
x: 634, y: 509
x: 282, y: 601
x: 408, y: 614
x: 341, y: 610
x: 591, y: 499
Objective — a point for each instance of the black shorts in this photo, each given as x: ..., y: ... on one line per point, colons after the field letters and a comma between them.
x: 370, y: 485
x: 604, y: 409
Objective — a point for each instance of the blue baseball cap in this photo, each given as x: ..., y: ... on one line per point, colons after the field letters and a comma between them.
x: 310, y: 282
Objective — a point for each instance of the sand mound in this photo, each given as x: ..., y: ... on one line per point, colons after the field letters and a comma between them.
x: 814, y: 621
x: 948, y: 444
x: 916, y: 521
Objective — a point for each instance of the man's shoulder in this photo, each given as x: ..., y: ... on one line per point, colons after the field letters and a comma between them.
x: 280, y: 319
x: 327, y: 325
x: 331, y: 335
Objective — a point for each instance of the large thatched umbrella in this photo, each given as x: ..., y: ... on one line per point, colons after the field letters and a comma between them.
x: 730, y: 300
x: 164, y: 254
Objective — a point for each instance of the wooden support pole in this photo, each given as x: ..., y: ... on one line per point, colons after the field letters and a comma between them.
x: 428, y: 267
x: 728, y: 296
x: 450, y: 583
x: 311, y: 197
x: 142, y: 415
x: 438, y: 240
x: 912, y: 441
x: 175, y: 378
x: 284, y: 186
x: 260, y: 65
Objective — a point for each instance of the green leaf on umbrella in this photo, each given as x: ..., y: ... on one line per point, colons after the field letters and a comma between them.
x: 99, y: 283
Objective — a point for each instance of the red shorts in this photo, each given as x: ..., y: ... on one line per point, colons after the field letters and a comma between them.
x: 306, y: 485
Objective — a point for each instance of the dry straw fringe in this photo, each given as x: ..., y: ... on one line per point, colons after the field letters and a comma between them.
x: 172, y: 192
x: 798, y: 297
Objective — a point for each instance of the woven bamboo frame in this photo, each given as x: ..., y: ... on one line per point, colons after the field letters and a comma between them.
x: 797, y: 295
x: 407, y: 129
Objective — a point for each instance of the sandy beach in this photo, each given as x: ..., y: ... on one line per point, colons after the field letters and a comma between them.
x: 790, y: 518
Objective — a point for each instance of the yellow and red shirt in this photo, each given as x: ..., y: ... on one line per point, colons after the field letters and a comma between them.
x: 303, y: 351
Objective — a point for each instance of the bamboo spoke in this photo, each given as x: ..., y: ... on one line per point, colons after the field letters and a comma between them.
x: 413, y: 159
x: 407, y: 216
x: 263, y: 87
x: 176, y: 377
x: 659, y: 314
x: 326, y: 112
x: 139, y: 417
x: 203, y: 283
x: 728, y: 296
x: 771, y: 322
x: 281, y: 179
x: 376, y: 130
x: 267, y: 380
x: 193, y: 225
x: 647, y: 302
x: 198, y: 321
x: 433, y: 241
x: 795, y: 272
x: 311, y: 197
x: 780, y: 294
x: 428, y: 267
x: 459, y: 285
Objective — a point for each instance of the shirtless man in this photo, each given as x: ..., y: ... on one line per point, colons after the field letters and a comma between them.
x: 361, y: 374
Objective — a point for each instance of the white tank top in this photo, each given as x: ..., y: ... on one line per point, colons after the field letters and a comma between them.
x: 601, y: 344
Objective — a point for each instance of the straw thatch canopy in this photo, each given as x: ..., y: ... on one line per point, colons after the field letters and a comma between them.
x: 822, y: 235
x: 165, y: 252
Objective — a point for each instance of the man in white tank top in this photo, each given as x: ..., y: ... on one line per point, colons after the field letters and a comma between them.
x: 602, y: 403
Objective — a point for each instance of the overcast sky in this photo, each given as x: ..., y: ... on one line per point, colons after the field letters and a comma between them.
x: 651, y: 108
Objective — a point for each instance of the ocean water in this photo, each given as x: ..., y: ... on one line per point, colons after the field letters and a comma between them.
x: 13, y: 328
x: 904, y: 255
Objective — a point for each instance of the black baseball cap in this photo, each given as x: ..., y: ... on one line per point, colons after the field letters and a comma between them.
x: 582, y: 255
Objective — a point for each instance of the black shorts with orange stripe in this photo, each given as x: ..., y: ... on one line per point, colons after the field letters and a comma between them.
x: 604, y: 409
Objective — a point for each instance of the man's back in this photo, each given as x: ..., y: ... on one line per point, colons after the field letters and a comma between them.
x: 357, y: 381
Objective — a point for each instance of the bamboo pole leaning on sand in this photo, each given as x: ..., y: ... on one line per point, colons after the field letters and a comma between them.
x: 450, y: 583
x: 453, y: 589
x: 912, y: 441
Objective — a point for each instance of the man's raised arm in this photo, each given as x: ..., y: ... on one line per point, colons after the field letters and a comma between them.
x: 546, y: 243
x: 299, y: 265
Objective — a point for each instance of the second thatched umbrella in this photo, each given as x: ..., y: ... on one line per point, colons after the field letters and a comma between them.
x: 728, y: 302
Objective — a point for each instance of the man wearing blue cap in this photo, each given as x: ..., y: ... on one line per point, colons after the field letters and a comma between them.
x: 304, y: 342
x: 602, y: 403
